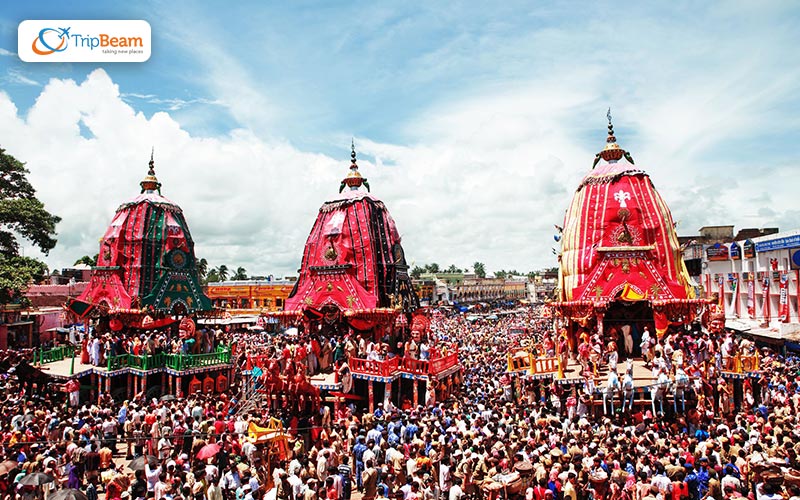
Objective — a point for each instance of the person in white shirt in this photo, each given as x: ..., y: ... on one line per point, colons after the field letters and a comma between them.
x: 681, y: 384
x: 445, y: 480
x: 658, y: 390
x: 627, y: 390
x: 152, y: 476
x: 164, y: 444
x: 613, y: 357
x: 297, y: 485
x: 612, y: 387
x: 456, y: 493
x: 645, y: 346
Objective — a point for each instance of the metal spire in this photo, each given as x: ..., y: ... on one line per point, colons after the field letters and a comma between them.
x: 152, y: 170
x: 150, y: 182
x: 353, y: 179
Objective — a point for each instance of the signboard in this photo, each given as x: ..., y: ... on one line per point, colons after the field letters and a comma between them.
x: 783, y: 301
x: 778, y: 243
x: 716, y: 252
x: 794, y: 259
x: 749, y: 250
x: 736, y: 251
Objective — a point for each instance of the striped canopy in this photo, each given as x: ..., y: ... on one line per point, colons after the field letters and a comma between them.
x: 146, y: 260
x: 619, y: 240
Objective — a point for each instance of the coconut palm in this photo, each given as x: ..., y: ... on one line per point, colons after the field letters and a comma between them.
x: 202, y: 268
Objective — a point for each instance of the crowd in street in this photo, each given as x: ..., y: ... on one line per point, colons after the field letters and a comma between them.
x: 503, y: 434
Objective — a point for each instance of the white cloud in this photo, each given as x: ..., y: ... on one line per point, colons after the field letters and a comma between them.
x: 485, y: 179
x: 15, y: 76
x: 706, y: 104
x: 171, y: 104
x: 246, y: 200
x: 7, y: 53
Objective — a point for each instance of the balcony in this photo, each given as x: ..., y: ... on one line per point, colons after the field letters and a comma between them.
x: 177, y: 362
x: 394, y: 366
x: 385, y: 368
x: 54, y: 354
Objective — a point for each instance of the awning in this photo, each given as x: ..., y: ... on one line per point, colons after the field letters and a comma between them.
x: 236, y: 320
x: 78, y: 307
x: 20, y: 323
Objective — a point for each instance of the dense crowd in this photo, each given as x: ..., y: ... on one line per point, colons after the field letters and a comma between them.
x: 503, y: 435
x: 97, y: 348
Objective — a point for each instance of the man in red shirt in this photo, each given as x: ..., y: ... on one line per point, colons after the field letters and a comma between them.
x: 219, y: 425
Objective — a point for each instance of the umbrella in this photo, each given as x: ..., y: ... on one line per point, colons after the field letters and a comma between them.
x: 208, y: 451
x: 68, y: 494
x: 8, y: 466
x: 138, y: 462
x: 168, y: 397
x: 36, y: 479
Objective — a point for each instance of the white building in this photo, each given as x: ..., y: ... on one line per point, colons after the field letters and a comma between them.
x: 758, y: 280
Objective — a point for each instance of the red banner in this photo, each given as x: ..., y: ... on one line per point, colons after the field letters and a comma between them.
x: 751, y: 298
x: 765, y: 298
x: 783, y: 308
x: 661, y: 322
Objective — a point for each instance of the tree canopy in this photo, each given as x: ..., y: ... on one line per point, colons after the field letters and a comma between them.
x: 22, y: 215
x: 89, y: 261
x: 240, y: 274
x: 222, y: 272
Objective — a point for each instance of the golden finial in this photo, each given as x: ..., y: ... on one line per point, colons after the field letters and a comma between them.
x: 353, y: 179
x: 150, y: 182
x: 612, y: 151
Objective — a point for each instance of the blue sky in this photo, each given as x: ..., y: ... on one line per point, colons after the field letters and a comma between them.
x: 478, y: 119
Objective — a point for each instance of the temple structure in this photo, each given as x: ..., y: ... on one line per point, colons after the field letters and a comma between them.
x: 353, y: 281
x: 146, y: 263
x: 620, y: 261
x: 354, y: 273
x: 145, y: 280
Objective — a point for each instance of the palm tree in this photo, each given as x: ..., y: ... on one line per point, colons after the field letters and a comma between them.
x: 202, y: 268
x: 241, y: 274
x: 433, y: 268
x: 222, y: 272
x: 212, y: 276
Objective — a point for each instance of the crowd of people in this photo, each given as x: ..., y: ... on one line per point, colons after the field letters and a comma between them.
x: 97, y: 348
x: 502, y: 434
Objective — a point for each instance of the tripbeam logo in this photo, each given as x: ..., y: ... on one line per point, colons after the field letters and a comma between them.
x: 84, y: 41
x: 43, y: 48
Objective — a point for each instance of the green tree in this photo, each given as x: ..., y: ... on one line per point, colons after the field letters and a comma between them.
x: 21, y: 214
x: 501, y: 274
x: 453, y: 269
x: 432, y: 268
x: 202, y: 269
x: 479, y: 269
x: 241, y: 274
x: 416, y: 272
x: 212, y: 276
x: 222, y: 272
x: 89, y: 261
